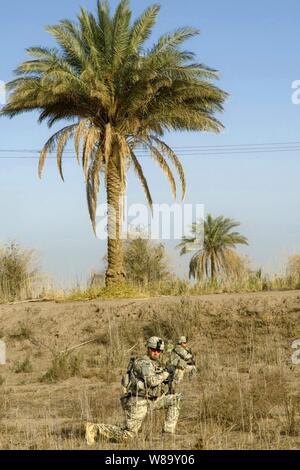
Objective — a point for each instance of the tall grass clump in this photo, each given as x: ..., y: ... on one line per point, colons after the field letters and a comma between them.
x: 18, y: 272
x: 64, y: 366
x: 293, y: 269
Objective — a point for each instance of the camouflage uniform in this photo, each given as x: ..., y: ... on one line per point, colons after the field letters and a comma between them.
x: 183, y: 360
x: 147, y: 391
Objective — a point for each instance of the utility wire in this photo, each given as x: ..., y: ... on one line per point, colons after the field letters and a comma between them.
x: 187, y: 151
x: 272, y: 144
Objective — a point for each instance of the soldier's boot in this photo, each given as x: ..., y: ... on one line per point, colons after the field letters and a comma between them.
x: 91, y: 431
x: 111, y: 432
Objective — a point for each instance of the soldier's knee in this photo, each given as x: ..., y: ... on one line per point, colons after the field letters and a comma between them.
x: 177, y: 397
x: 174, y: 400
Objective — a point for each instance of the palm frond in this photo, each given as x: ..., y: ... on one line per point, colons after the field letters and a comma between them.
x: 80, y: 134
x: 172, y: 155
x: 140, y: 173
x: 157, y: 156
x: 91, y: 139
x: 61, y: 144
x: 121, y: 32
x: 172, y: 40
x: 93, y: 186
x: 105, y: 25
x: 142, y: 28
x: 62, y: 135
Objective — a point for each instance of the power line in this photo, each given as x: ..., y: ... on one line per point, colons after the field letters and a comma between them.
x: 187, y: 151
x: 188, y: 147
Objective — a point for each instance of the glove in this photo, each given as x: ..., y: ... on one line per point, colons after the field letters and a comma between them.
x: 165, y: 375
x: 193, y: 371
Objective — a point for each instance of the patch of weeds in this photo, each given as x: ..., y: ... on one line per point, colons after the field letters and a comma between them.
x: 4, y: 404
x: 89, y: 329
x: 291, y: 428
x: 2, y: 380
x: 25, y: 331
x: 243, y: 404
x: 38, y: 354
x: 95, y: 361
x: 23, y: 366
x: 174, y: 319
x: 63, y: 366
x: 118, y: 291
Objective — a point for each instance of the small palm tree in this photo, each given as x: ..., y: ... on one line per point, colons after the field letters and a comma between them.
x: 215, y: 253
x: 118, y: 96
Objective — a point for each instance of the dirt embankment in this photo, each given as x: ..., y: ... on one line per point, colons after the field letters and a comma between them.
x: 245, y: 395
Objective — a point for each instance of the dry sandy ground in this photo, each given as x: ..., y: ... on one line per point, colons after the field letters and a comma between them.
x: 245, y: 396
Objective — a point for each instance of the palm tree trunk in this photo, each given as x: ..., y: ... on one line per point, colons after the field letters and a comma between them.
x: 213, y: 268
x: 115, y: 272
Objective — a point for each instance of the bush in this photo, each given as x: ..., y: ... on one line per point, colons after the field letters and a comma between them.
x: 25, y: 331
x: 145, y: 261
x: 18, y: 271
x: 23, y: 366
x: 293, y: 269
x: 63, y: 366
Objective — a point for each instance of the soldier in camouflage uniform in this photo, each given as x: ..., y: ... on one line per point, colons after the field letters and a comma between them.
x: 147, y: 388
x: 182, y: 358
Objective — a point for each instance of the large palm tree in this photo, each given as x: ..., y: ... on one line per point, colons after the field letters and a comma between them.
x: 118, y: 96
x: 215, y: 251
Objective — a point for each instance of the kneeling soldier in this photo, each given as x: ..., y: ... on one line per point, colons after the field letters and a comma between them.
x: 148, y: 387
x: 182, y: 358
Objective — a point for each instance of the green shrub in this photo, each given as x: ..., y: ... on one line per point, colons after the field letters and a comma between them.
x: 23, y: 366
x: 64, y: 365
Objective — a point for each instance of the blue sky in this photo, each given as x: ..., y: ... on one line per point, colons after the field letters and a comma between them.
x: 254, y: 46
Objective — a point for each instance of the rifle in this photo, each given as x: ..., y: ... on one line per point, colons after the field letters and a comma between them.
x: 192, y: 361
x: 171, y: 369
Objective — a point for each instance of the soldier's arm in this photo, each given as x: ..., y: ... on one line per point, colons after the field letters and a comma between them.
x: 188, y: 356
x: 151, y: 377
x: 184, y: 354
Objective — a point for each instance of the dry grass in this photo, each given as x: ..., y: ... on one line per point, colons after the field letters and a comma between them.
x: 19, y: 273
x: 244, y: 397
x: 39, y: 288
x: 24, y: 366
x: 124, y: 291
x: 172, y: 286
x: 63, y: 366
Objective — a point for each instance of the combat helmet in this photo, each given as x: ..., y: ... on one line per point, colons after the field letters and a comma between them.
x: 182, y: 339
x: 155, y: 343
